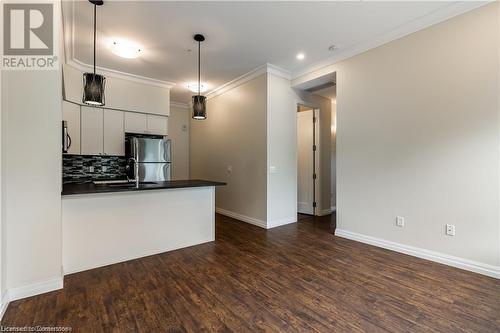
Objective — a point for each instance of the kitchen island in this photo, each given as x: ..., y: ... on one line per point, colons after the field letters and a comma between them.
x: 106, y: 224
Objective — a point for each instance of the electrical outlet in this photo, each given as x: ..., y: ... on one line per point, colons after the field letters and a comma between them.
x: 450, y: 230
x: 400, y: 221
x: 91, y: 168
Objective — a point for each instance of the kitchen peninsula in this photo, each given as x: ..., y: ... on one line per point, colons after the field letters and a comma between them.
x: 110, y: 223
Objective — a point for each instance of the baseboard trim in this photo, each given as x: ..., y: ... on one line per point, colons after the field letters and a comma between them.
x: 35, y: 289
x: 241, y: 217
x: 466, y: 264
x: 280, y: 222
x: 4, y: 304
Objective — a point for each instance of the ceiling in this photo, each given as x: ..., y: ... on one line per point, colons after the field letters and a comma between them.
x: 240, y: 36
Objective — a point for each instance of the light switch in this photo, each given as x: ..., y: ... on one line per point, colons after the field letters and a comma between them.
x: 229, y: 168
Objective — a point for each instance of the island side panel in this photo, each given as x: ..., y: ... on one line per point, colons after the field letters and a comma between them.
x: 102, y: 229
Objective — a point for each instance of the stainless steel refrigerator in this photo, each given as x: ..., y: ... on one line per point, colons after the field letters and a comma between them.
x: 153, y: 157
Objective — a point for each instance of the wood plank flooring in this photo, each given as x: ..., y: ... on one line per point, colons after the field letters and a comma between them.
x: 295, y: 278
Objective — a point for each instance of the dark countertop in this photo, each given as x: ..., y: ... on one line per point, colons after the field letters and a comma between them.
x: 89, y: 188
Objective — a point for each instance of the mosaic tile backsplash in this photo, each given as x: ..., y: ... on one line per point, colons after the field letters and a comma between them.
x: 77, y: 167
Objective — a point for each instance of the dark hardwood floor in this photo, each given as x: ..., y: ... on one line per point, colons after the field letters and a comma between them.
x: 295, y: 278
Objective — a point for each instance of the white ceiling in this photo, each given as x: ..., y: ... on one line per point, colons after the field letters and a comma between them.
x: 240, y: 36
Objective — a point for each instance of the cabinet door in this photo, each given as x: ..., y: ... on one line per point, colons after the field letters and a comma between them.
x: 91, y: 131
x: 114, y: 133
x: 157, y: 125
x: 71, y: 113
x: 135, y: 122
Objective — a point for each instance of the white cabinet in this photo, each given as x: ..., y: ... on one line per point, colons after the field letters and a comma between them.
x: 135, y: 122
x: 71, y: 114
x: 114, y: 133
x: 146, y: 123
x: 91, y: 130
x: 156, y: 125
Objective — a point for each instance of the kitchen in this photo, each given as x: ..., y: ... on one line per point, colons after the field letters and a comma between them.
x: 117, y: 173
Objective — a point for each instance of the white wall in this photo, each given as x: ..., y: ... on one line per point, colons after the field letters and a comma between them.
x: 418, y: 136
x: 178, y: 132
x: 234, y: 134
x: 281, y: 152
x: 31, y: 163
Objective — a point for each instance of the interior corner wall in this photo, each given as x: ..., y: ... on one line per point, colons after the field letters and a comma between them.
x: 333, y: 157
x: 418, y: 136
x: 178, y: 132
x: 230, y: 146
x: 31, y: 178
x: 281, y: 152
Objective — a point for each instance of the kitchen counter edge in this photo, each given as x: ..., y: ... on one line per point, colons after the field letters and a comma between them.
x: 91, y: 188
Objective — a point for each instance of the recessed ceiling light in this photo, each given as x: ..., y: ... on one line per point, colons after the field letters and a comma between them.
x: 301, y: 56
x: 194, y: 87
x: 124, y: 48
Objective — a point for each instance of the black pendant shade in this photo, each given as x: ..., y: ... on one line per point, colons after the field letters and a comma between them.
x: 94, y: 84
x: 199, y: 101
x: 199, y: 107
x: 93, y: 89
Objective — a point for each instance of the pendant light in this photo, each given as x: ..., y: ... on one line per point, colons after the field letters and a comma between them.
x: 199, y: 101
x: 93, y: 84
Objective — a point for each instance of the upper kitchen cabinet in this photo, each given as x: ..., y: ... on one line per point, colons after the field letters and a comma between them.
x: 114, y: 133
x: 71, y: 114
x: 121, y: 94
x: 135, y: 122
x: 146, y: 124
x: 156, y: 125
x: 92, y: 130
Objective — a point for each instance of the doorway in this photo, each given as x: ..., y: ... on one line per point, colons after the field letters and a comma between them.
x: 307, y: 159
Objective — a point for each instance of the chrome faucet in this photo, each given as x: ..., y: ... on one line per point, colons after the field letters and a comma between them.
x: 136, y: 172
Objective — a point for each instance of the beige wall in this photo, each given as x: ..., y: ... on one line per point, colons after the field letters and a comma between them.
x: 333, y: 157
x: 234, y: 134
x: 178, y: 132
x: 31, y: 186
x: 281, y: 152
x: 418, y: 136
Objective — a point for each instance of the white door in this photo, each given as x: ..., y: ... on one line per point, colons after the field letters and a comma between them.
x: 114, y: 133
x: 71, y: 113
x: 135, y: 122
x: 91, y: 131
x: 157, y: 124
x: 305, y: 167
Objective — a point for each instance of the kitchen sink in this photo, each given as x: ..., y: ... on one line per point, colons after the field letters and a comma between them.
x: 120, y: 183
x: 130, y: 184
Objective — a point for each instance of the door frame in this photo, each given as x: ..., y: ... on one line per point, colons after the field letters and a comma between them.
x: 316, y: 155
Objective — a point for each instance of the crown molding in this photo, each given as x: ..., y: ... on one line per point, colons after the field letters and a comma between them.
x: 254, y: 73
x: 120, y: 75
x: 420, y: 23
x: 179, y: 105
x: 68, y: 15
